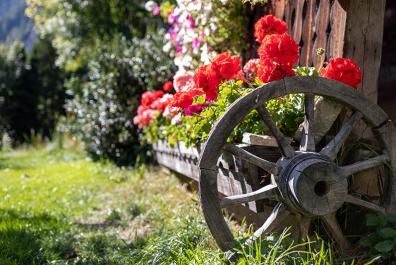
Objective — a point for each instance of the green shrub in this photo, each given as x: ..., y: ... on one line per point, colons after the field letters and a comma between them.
x: 104, y: 101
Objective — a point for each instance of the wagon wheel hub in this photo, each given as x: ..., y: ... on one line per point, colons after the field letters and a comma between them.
x: 309, y: 184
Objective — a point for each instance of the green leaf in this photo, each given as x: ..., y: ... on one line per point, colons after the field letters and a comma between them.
x: 368, y: 240
x: 384, y: 246
x: 375, y: 220
x: 199, y: 100
x: 388, y: 232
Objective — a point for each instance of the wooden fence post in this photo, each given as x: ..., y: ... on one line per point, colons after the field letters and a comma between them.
x: 363, y: 40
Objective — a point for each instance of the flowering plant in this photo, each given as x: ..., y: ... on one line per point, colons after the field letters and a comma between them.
x: 201, y: 98
x: 199, y: 29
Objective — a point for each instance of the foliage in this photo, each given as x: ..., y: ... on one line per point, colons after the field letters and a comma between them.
x: 111, y: 50
x: 287, y: 112
x: 79, y: 26
x: 104, y: 101
x: 31, y: 91
x: 382, y: 237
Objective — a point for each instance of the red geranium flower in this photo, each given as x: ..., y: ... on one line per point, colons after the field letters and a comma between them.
x: 226, y: 65
x: 269, y: 25
x: 270, y: 71
x: 168, y: 86
x: 280, y: 48
x: 343, y: 70
x: 185, y: 99
x: 149, y: 97
x: 207, y: 80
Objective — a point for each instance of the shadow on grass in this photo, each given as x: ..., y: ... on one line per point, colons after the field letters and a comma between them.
x: 43, y: 239
x: 22, y: 236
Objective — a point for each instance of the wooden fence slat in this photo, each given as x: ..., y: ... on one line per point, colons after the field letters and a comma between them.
x: 308, y: 34
x: 297, y: 26
x: 321, y: 24
x: 338, y: 22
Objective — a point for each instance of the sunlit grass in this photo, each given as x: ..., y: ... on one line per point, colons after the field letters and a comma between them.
x: 59, y: 207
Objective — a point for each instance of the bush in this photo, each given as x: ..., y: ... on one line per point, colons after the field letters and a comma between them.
x: 102, y: 106
x: 31, y: 91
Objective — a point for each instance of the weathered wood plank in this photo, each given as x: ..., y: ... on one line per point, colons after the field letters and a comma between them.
x: 308, y: 34
x: 337, y: 23
x: 363, y: 40
x: 264, y: 140
x: 321, y: 24
x: 298, y: 20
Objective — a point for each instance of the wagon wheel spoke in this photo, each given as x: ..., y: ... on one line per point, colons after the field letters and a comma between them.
x: 363, y: 165
x: 286, y: 149
x: 333, y: 147
x: 365, y: 204
x: 267, y: 192
x: 268, y: 166
x: 308, y: 137
x: 277, y: 216
x: 303, y: 224
x: 335, y: 231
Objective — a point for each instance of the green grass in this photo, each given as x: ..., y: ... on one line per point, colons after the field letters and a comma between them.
x: 58, y: 207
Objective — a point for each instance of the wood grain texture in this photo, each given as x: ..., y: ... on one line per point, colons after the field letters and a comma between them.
x: 298, y: 20
x: 333, y: 147
x: 268, y: 166
x: 266, y: 192
x: 321, y: 24
x: 307, y: 142
x: 365, y: 204
x: 337, y: 34
x: 336, y: 232
x: 363, y: 40
x: 363, y: 165
x: 308, y: 34
x: 211, y: 208
x: 286, y: 149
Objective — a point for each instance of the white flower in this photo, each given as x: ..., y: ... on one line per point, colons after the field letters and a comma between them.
x: 150, y: 5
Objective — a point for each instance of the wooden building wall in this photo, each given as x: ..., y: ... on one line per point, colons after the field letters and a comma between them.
x: 344, y: 28
x: 387, y: 79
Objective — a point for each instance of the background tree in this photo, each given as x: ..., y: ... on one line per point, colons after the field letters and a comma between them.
x: 112, y: 50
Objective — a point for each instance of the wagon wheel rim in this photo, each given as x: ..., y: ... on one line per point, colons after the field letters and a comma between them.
x: 305, y: 159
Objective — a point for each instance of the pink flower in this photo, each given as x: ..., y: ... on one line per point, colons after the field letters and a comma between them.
x: 156, y: 10
x: 189, y: 22
x: 183, y: 81
x: 196, y: 43
x: 171, y: 18
x: 190, y: 110
x: 251, y: 66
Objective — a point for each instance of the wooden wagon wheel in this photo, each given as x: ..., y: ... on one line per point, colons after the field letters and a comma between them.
x: 306, y: 183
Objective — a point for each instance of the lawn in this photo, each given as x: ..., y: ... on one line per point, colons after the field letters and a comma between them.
x: 59, y: 207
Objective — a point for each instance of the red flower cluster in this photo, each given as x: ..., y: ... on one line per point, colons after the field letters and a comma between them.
x: 223, y: 67
x: 168, y: 86
x: 149, y: 98
x: 184, y: 99
x: 278, y: 51
x: 269, y: 25
x: 207, y: 80
x: 152, y: 103
x: 271, y: 71
x: 343, y: 70
x: 281, y: 49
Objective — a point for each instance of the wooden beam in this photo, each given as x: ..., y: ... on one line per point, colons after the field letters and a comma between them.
x: 363, y: 40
